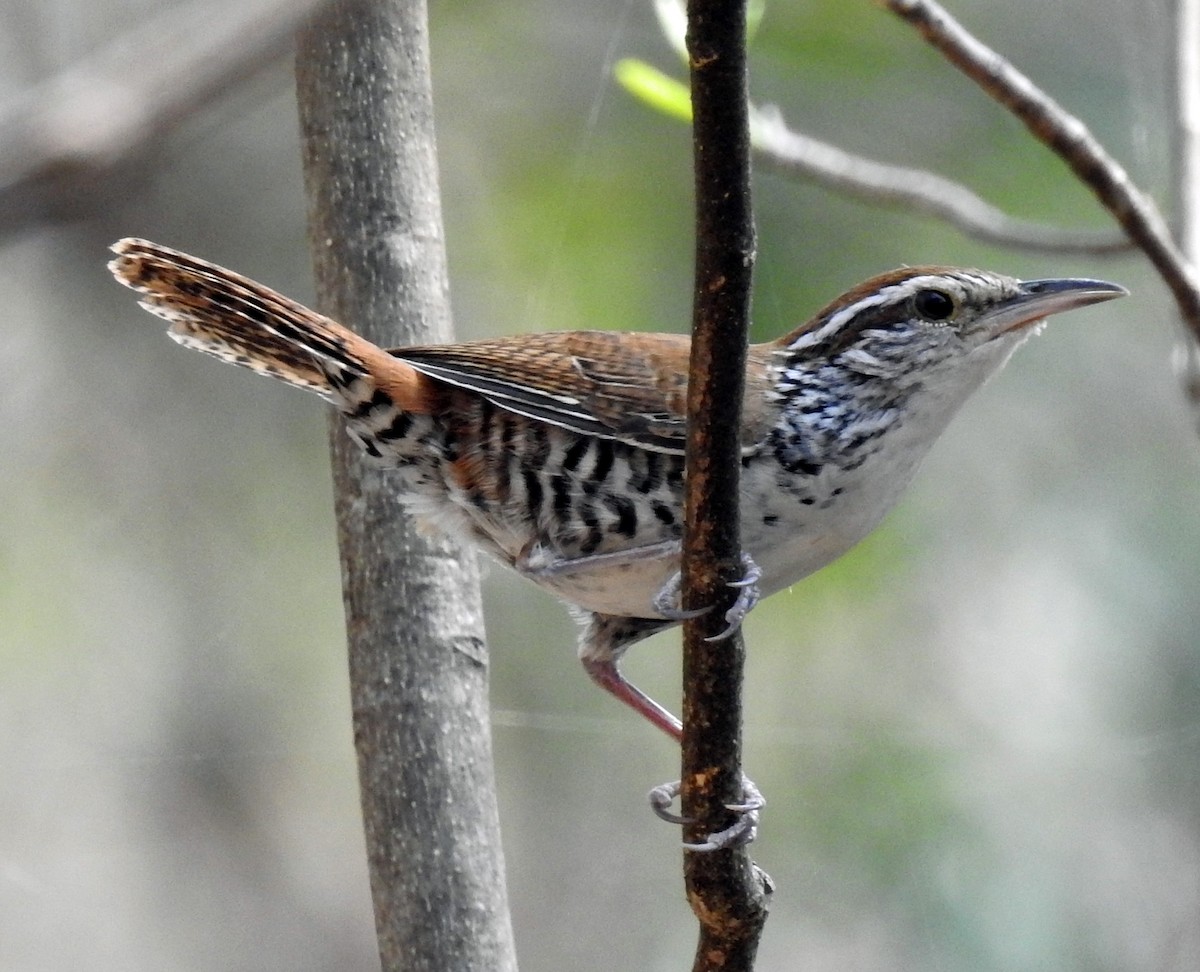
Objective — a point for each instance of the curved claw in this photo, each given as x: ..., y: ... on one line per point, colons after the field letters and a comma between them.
x: 752, y: 798
x: 748, y: 595
x: 666, y: 601
x: 744, y: 830
x: 661, y: 798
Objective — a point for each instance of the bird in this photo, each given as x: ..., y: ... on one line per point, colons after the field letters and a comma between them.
x: 561, y: 454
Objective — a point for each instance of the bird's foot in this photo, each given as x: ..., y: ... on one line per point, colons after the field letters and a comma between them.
x: 666, y: 601
x: 748, y: 595
x: 743, y: 830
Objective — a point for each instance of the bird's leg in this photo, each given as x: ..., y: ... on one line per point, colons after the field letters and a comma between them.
x: 607, y: 637
x: 604, y: 641
x: 745, y: 828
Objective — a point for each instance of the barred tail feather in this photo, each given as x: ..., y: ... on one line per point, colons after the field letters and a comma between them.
x: 228, y: 316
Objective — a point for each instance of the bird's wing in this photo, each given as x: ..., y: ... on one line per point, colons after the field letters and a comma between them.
x: 629, y: 387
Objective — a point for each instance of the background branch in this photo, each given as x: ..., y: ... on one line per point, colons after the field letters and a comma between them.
x: 77, y: 136
x: 1186, y: 88
x: 1070, y: 139
x: 726, y: 891
x: 799, y: 155
x: 418, y: 660
x: 923, y: 192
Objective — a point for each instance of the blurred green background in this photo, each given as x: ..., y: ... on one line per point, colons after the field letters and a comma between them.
x: 979, y: 732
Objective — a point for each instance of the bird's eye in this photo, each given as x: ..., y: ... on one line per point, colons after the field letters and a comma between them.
x: 933, y: 305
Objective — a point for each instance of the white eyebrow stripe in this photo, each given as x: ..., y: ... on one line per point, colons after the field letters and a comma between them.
x: 954, y: 282
x: 836, y: 321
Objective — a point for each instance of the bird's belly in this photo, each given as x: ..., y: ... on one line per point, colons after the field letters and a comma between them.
x: 787, y: 552
x: 786, y: 547
x: 624, y: 590
x: 787, y: 556
x: 787, y: 537
x: 792, y: 533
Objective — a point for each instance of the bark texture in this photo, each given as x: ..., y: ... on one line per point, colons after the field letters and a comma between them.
x: 726, y: 891
x: 418, y: 660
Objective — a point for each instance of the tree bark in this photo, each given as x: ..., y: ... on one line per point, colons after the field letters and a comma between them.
x: 418, y: 660
x: 726, y: 891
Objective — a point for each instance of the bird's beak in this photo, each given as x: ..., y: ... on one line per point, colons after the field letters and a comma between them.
x: 1038, y: 299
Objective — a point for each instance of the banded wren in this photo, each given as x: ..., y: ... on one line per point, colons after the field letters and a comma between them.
x: 561, y: 454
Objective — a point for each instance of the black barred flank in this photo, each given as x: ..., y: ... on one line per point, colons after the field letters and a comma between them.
x: 533, y: 493
x: 398, y: 428
x: 561, y: 487
x: 626, y: 513
x: 576, y: 453
x: 604, y: 460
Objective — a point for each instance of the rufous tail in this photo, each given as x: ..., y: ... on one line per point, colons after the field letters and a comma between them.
x: 231, y: 317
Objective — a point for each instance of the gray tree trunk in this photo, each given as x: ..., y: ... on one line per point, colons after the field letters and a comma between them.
x: 418, y: 661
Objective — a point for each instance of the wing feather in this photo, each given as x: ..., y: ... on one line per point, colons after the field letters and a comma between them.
x: 630, y: 387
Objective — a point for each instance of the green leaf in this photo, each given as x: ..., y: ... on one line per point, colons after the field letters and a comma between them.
x: 660, y: 91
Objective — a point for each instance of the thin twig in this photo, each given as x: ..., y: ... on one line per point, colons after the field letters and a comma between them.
x: 727, y: 893
x: 795, y: 154
x: 65, y: 142
x: 1187, y: 169
x: 1070, y: 139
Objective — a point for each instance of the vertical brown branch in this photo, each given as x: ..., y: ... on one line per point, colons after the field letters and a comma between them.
x: 723, y: 886
x: 418, y: 662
